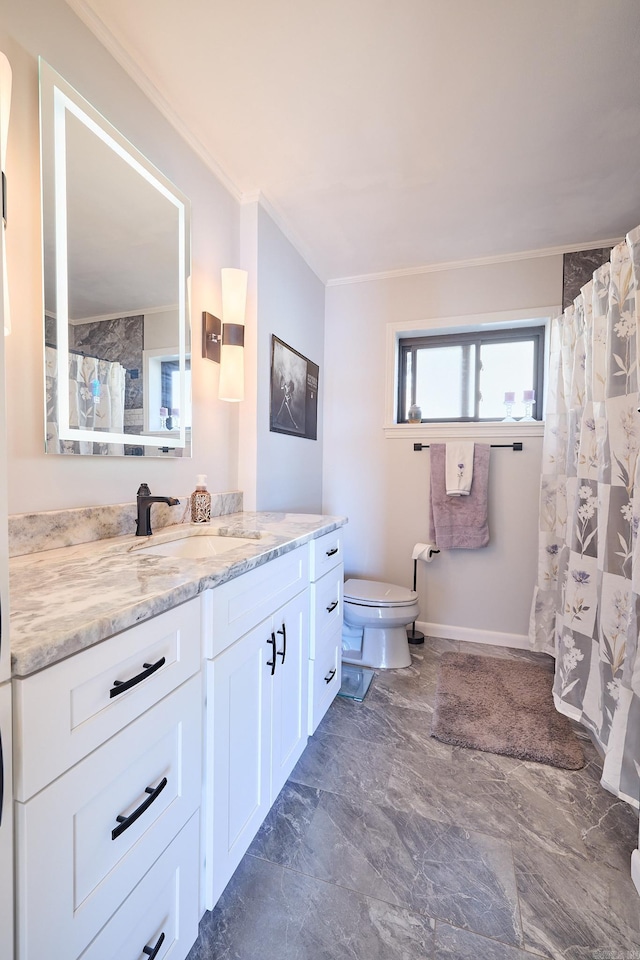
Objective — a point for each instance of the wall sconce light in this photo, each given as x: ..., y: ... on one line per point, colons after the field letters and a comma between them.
x: 5, y: 108
x: 223, y: 342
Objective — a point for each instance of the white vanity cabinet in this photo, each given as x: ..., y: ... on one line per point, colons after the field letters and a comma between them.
x: 109, y: 785
x: 257, y: 704
x: 326, y: 572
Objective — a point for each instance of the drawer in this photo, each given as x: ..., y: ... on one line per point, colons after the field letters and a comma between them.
x: 325, y: 677
x: 325, y: 553
x: 326, y: 606
x: 163, y: 907
x: 84, y: 707
x: 235, y: 607
x: 77, y: 861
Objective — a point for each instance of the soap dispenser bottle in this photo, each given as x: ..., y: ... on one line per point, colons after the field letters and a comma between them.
x: 201, y: 501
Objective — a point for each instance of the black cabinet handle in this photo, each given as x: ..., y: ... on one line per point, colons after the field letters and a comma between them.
x: 152, y: 952
x: 272, y: 663
x: 119, y: 686
x: 125, y: 822
x: 282, y: 653
x: 332, y: 606
x: 330, y: 553
x: 329, y: 677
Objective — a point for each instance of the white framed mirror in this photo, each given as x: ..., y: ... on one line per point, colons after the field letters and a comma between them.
x: 116, y: 260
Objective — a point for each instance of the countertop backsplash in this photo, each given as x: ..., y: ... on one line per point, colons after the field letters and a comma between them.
x: 50, y: 529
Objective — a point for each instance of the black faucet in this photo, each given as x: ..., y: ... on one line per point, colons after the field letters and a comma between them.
x: 145, y: 502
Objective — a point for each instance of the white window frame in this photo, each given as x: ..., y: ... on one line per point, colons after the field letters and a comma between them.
x: 497, y: 320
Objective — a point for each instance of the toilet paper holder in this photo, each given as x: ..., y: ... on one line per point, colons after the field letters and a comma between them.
x: 421, y: 551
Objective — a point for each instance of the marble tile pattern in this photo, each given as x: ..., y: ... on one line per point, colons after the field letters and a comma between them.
x: 64, y: 600
x: 387, y: 844
x: 49, y: 529
x: 577, y: 269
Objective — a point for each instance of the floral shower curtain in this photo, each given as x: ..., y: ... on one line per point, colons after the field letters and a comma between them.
x: 586, y: 608
x: 96, y: 401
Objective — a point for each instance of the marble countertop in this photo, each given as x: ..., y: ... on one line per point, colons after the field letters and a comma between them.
x: 69, y: 598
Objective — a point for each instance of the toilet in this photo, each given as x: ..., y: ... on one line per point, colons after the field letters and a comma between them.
x: 376, y: 616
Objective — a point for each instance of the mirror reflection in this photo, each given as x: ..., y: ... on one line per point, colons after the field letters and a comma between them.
x: 116, y: 263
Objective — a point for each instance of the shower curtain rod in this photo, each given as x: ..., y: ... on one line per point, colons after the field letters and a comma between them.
x: 87, y: 356
x: 512, y: 446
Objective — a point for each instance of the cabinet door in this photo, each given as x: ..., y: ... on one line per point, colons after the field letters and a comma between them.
x: 162, y: 911
x: 290, y: 689
x: 239, y: 695
x: 326, y: 607
x: 89, y: 837
x: 93, y: 695
x: 325, y: 676
x: 239, y: 605
x: 325, y: 553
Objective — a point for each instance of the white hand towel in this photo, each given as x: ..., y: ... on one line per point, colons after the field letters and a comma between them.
x: 459, y: 469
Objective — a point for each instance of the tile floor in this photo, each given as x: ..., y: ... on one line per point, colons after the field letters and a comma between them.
x: 388, y: 845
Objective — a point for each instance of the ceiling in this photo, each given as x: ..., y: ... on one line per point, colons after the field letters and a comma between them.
x: 389, y: 136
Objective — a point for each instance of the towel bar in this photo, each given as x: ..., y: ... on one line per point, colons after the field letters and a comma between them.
x: 512, y: 446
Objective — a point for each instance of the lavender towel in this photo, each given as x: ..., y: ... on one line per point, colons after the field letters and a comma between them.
x: 459, y: 522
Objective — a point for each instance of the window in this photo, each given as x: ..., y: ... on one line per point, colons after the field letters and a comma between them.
x: 170, y: 380
x: 161, y: 385
x: 468, y: 376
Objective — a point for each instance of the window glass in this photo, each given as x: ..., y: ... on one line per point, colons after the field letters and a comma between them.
x: 408, y: 381
x: 171, y: 389
x: 505, y: 368
x: 445, y: 378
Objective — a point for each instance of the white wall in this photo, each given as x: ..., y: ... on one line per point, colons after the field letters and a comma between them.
x: 290, y: 304
x: 382, y: 484
x: 38, y: 481
x: 160, y: 331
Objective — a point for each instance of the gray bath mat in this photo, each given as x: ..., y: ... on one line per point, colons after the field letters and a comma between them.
x: 503, y: 706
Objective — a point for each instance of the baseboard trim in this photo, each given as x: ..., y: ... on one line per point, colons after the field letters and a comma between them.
x: 471, y: 635
x: 635, y: 869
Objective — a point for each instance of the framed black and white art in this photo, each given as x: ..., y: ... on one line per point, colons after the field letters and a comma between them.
x: 294, y: 392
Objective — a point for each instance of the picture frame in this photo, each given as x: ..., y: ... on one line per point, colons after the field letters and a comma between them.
x: 294, y: 392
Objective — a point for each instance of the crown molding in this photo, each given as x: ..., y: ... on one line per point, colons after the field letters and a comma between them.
x: 476, y: 262
x: 125, y: 57
x: 282, y: 223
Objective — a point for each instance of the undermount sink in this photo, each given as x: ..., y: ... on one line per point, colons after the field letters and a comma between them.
x: 196, y: 547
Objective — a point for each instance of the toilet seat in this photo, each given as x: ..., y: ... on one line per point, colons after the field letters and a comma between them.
x: 370, y: 593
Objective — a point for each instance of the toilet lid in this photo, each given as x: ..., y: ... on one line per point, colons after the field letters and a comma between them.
x: 370, y: 593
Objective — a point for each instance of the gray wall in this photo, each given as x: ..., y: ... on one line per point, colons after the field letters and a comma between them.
x: 290, y: 304
x: 383, y: 486
x: 291, y: 297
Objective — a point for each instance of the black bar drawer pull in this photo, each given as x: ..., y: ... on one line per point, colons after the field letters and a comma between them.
x: 152, y: 952
x: 282, y: 653
x: 272, y: 663
x: 119, y: 686
x: 125, y: 822
x: 329, y: 677
x: 332, y: 606
x: 330, y: 553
